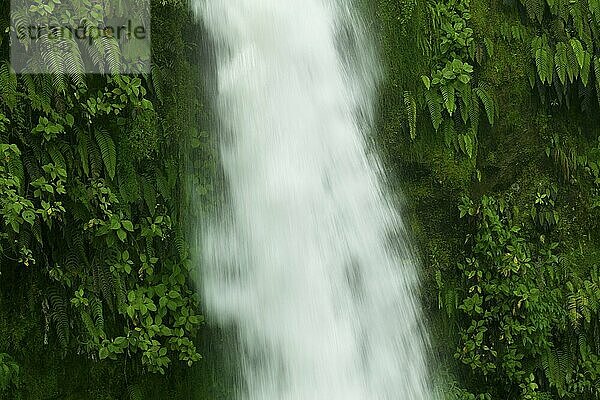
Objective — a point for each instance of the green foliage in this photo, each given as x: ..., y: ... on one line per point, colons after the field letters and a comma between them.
x: 510, y: 287
x: 90, y: 210
x: 524, y: 320
x: 563, y: 37
x: 450, y: 90
x: 9, y: 373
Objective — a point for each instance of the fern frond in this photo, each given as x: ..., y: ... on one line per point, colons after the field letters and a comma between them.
x: 597, y: 76
x: 8, y: 85
x: 88, y: 323
x: 573, y: 64
x: 560, y: 62
x: 105, y: 283
x: 535, y: 9
x: 120, y: 290
x: 449, y: 132
x: 435, y: 108
x: 594, y: 7
x: 551, y: 366
x: 181, y: 245
x: 411, y: 113
x: 31, y: 166
x: 585, y: 68
x: 58, y: 314
x: 449, y: 98
x: 578, y: 50
x: 15, y: 167
x: 163, y: 186
x: 98, y: 314
x: 108, y: 151
x: 56, y: 156
x: 83, y: 145
x: 487, y: 101
x: 149, y: 192
x: 129, y: 187
x: 157, y: 82
x: 134, y: 392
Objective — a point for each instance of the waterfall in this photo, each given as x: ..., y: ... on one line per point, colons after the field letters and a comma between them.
x: 308, y: 260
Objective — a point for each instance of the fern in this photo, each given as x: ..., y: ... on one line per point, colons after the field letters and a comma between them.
x: 181, y: 245
x: 585, y: 68
x: 552, y: 369
x: 411, y: 113
x: 31, y: 166
x: 107, y: 150
x: 560, y: 62
x: 449, y: 98
x: 597, y: 76
x: 58, y: 314
x: 162, y: 184
x: 36, y: 230
x: 435, y: 108
x: 129, y: 187
x: 56, y: 155
x: 15, y: 167
x: 105, y: 54
x: 8, y: 85
x: 572, y: 65
x: 98, y: 314
x: 577, y: 18
x: 578, y: 50
x: 149, y: 192
x: 487, y: 101
x: 88, y: 323
x: 83, y: 145
x: 544, y: 59
x: 474, y: 112
x: 134, y: 392
x: 120, y: 290
x: 535, y: 9
x: 449, y: 132
x: 466, y: 97
x: 594, y: 7
x: 105, y: 283
x: 157, y: 82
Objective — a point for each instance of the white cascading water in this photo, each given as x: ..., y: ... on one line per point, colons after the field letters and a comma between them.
x: 307, y: 259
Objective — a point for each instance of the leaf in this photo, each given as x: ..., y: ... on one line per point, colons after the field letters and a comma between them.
x: 489, y: 45
x: 163, y: 302
x: 8, y: 85
x: 435, y: 108
x: 464, y: 78
x: 449, y: 99
x: 122, y: 235
x: 28, y: 216
x: 535, y: 9
x: 572, y: 65
x: 597, y: 76
x: 579, y: 51
x: 103, y: 353
x: 585, y: 69
x: 488, y: 103
x: 69, y: 119
x: 107, y: 151
x: 426, y: 81
x: 114, y: 223
x: 411, y: 113
x: 561, y: 62
x: 128, y: 225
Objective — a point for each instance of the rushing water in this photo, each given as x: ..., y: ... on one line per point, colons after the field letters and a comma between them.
x: 307, y: 260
